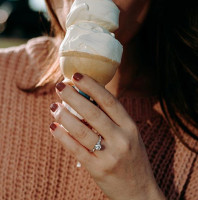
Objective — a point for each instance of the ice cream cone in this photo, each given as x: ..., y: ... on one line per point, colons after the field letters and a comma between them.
x: 98, y: 67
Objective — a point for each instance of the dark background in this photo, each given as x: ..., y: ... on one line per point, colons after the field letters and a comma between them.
x: 19, y: 21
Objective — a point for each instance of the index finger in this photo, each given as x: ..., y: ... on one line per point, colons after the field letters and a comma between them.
x: 107, y: 102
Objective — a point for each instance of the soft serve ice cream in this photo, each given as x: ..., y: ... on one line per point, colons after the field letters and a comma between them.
x: 89, y: 47
x: 93, y: 39
x: 102, y: 12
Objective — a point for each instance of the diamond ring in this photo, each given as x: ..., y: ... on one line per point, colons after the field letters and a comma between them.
x: 98, y: 145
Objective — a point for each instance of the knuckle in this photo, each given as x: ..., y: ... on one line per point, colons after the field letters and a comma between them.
x: 59, y: 115
x: 125, y: 145
x: 95, y: 113
x: 81, y: 133
x: 109, y: 100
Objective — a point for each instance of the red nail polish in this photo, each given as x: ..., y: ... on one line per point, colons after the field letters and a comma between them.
x: 77, y: 76
x: 53, y: 107
x: 60, y: 86
x: 53, y: 126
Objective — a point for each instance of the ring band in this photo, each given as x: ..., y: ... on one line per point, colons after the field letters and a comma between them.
x: 98, y: 145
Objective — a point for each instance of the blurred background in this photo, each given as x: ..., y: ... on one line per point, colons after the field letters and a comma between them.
x: 21, y: 20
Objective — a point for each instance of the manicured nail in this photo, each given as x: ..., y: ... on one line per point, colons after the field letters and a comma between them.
x: 60, y: 86
x: 53, y: 126
x: 53, y: 107
x: 77, y: 76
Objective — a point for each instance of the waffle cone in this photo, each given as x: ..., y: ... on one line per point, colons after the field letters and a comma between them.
x: 99, y: 68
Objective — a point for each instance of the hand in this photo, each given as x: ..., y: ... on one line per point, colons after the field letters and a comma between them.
x: 121, y: 168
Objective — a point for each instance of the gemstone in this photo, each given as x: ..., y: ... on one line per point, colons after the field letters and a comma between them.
x: 98, y: 147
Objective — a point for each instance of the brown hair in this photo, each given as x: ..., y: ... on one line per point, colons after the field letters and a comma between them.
x: 170, y: 34
x: 170, y: 39
x: 56, y: 29
x: 53, y: 74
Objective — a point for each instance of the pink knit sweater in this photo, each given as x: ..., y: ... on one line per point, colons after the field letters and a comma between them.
x: 34, y: 166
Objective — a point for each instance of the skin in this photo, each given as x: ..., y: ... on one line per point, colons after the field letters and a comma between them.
x: 121, y: 169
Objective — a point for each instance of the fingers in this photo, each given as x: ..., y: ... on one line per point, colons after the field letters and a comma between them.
x: 96, y: 165
x: 74, y: 126
x: 71, y: 144
x: 91, y: 113
x: 107, y: 102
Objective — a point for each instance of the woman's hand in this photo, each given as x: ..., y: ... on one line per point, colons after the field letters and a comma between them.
x: 121, y: 168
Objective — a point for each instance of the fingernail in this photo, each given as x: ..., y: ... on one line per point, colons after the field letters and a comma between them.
x: 53, y: 126
x: 77, y: 76
x: 60, y: 86
x: 53, y: 107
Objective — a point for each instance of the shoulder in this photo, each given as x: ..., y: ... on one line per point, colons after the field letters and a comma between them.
x: 37, y: 58
x: 32, y: 43
x: 39, y: 45
x: 25, y: 53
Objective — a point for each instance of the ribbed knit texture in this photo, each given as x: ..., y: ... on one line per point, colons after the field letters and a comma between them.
x: 34, y: 166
